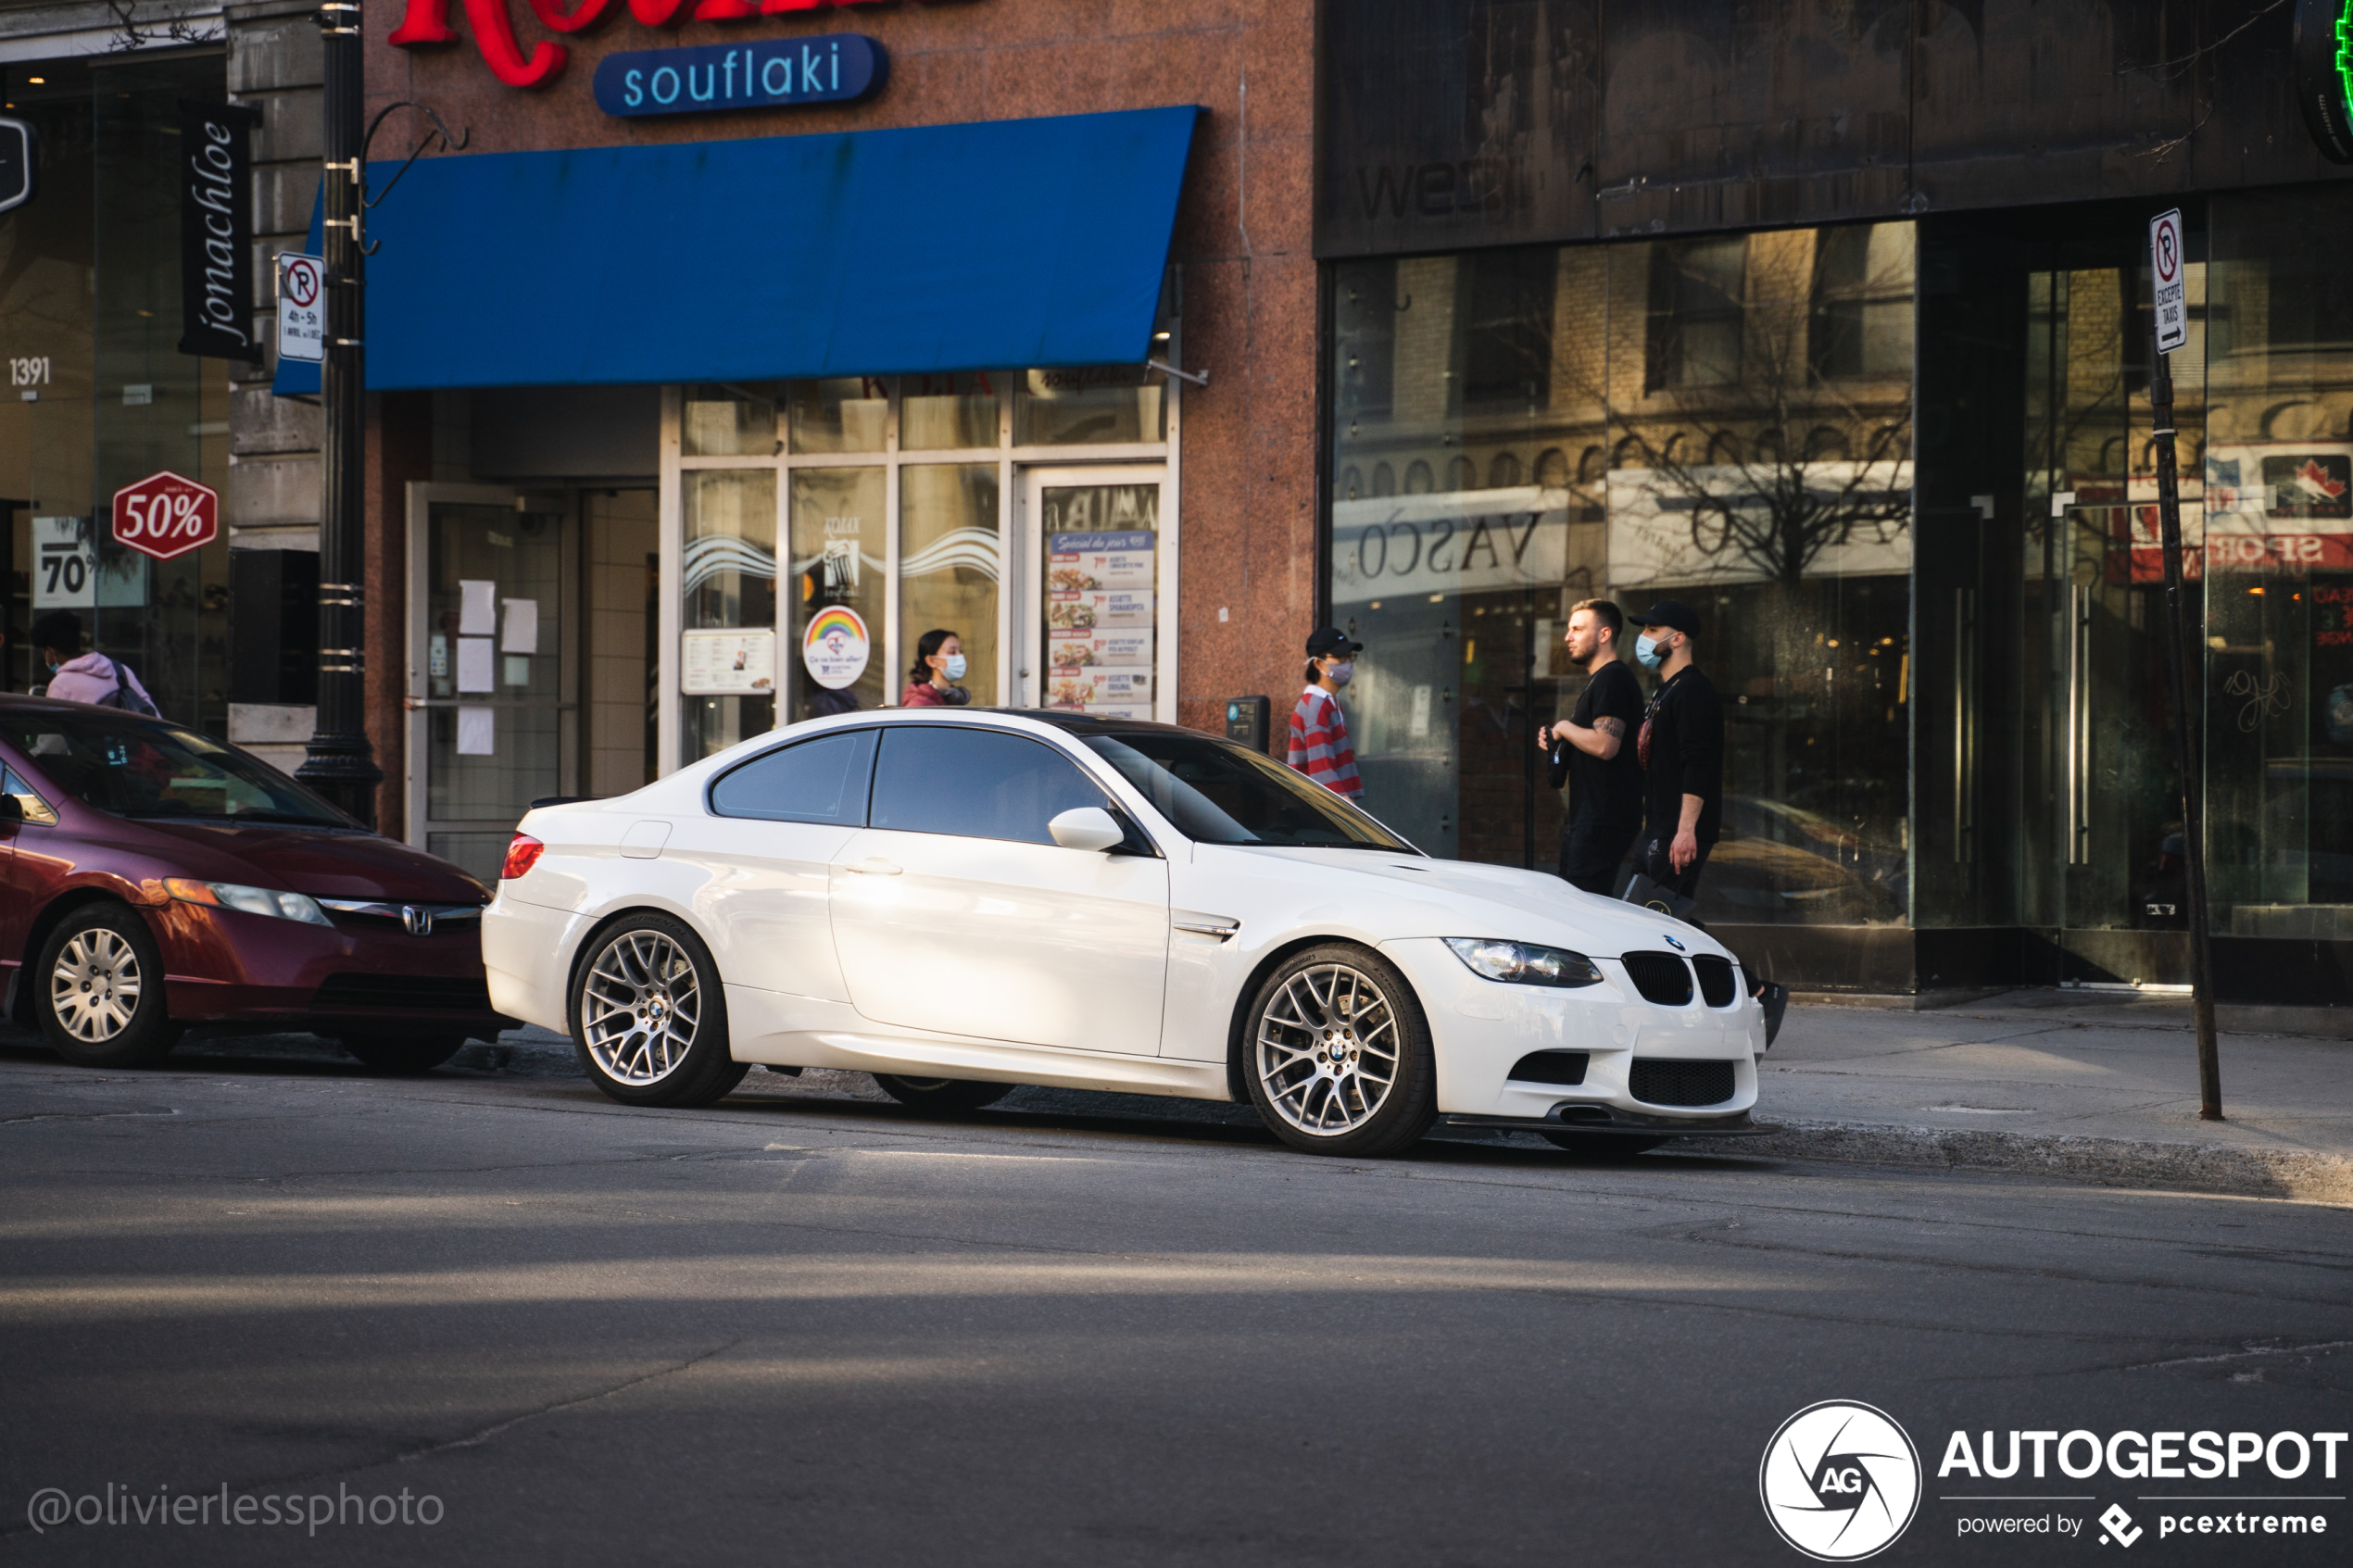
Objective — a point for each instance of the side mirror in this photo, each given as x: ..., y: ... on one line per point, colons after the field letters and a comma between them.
x: 11, y: 810
x: 1086, y: 827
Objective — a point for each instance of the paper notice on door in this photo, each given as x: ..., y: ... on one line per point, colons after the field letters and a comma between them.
x: 1073, y: 650
x: 477, y: 607
x: 1099, y: 688
x: 1080, y: 561
x: 522, y: 627
x: 1078, y: 609
x: 475, y: 664
x: 477, y: 731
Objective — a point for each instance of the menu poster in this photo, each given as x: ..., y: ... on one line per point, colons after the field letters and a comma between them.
x: 725, y: 663
x: 1079, y: 562
x: 1081, y: 608
x: 1099, y: 688
x: 1081, y: 649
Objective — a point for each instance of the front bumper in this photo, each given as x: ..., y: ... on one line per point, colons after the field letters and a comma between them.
x: 1482, y: 1030
x: 224, y: 966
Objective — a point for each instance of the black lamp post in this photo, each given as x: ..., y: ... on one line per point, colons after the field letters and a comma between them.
x: 341, y: 765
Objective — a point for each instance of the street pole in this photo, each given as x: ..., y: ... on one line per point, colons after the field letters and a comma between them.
x: 340, y: 763
x: 2181, y: 682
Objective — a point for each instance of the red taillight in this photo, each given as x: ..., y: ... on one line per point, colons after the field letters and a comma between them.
x: 522, y: 855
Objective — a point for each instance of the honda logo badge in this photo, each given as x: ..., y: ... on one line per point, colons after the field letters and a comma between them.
x: 418, y: 922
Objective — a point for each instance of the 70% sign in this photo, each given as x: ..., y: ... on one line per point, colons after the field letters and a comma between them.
x: 164, y: 516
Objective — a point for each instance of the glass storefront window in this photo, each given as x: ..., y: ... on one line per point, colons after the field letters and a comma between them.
x: 729, y: 421
x: 2278, y: 473
x: 730, y: 657
x: 839, y: 414
x: 1089, y: 405
x: 840, y: 560
x: 948, y: 413
x: 950, y: 564
x: 1724, y: 421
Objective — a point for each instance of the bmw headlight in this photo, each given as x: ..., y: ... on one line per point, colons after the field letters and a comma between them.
x: 1522, y: 963
x: 250, y: 900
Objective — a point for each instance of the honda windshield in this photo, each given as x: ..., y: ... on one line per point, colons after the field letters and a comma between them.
x: 138, y: 767
x: 1218, y: 793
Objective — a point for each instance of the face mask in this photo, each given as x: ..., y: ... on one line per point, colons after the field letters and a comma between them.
x: 955, y: 667
x: 1341, y: 673
x: 1651, y: 655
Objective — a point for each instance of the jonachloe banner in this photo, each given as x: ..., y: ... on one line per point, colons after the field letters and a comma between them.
x: 216, y: 231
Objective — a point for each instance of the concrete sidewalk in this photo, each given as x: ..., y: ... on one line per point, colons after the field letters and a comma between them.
x: 2079, y: 1084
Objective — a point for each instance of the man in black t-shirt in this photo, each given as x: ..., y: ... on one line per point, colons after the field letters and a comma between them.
x: 1593, y: 751
x: 1681, y: 747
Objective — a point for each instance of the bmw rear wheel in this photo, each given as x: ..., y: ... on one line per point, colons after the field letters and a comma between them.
x: 99, y: 990
x: 647, y: 1017
x: 941, y: 1094
x: 1337, y: 1054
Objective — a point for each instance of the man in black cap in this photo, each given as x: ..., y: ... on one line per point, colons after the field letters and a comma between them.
x: 1319, y: 745
x: 1592, y: 750
x: 1681, y: 747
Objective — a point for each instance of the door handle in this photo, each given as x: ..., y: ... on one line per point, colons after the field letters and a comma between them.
x: 873, y: 865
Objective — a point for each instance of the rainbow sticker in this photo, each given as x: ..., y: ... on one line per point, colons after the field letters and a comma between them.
x: 835, y: 647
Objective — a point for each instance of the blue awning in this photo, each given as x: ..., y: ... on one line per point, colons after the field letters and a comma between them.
x: 957, y: 248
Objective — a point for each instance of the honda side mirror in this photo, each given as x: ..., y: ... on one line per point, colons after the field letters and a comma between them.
x: 1087, y: 827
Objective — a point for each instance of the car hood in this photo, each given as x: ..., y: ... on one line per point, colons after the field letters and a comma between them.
x: 1406, y: 896
x: 325, y: 865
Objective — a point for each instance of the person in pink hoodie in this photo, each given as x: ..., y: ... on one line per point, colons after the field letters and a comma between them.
x: 84, y: 677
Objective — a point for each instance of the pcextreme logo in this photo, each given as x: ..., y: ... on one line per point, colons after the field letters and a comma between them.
x: 1839, y: 1481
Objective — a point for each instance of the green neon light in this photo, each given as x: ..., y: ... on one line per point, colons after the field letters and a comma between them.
x: 2344, y: 56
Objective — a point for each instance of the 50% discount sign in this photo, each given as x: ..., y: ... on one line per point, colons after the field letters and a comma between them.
x: 164, y: 516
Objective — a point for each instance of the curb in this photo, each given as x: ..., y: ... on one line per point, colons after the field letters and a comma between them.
x: 2238, y: 1172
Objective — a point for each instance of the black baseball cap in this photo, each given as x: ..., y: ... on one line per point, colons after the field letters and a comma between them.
x: 1331, y: 640
x: 1672, y: 613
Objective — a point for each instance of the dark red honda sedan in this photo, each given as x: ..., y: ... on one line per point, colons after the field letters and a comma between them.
x: 151, y: 878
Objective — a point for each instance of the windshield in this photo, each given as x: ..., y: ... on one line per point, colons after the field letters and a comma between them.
x: 146, y: 769
x: 1218, y: 793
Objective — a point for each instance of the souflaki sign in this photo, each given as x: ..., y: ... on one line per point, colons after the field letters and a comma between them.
x: 425, y: 23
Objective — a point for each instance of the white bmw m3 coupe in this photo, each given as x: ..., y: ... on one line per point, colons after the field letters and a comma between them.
x: 960, y: 901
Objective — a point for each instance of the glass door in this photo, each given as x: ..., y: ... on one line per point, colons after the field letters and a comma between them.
x: 1096, y: 627
x: 492, y: 692
x: 2105, y: 854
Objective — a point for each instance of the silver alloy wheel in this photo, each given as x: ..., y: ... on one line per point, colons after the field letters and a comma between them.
x: 640, y: 1007
x: 95, y: 987
x: 1328, y: 1049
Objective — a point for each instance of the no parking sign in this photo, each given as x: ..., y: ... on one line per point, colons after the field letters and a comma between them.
x: 2167, y: 265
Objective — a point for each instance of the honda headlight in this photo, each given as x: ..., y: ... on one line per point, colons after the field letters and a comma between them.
x: 250, y: 900
x: 1522, y: 963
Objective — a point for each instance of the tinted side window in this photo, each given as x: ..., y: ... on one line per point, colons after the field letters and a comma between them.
x: 35, y: 808
x: 817, y: 781
x: 976, y: 784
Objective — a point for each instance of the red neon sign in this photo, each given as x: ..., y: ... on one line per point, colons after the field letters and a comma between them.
x: 426, y: 23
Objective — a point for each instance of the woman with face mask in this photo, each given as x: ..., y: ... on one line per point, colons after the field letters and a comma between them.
x: 1319, y: 745
x: 940, y: 665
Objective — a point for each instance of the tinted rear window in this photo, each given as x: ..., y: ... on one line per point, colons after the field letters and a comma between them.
x: 816, y: 780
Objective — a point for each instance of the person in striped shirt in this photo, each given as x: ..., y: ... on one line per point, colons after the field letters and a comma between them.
x: 1319, y: 745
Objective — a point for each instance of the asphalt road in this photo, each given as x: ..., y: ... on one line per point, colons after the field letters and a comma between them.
x: 804, y: 1328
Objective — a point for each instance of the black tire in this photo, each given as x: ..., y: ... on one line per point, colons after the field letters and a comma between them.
x: 1601, y: 1146
x: 941, y: 1095
x: 649, y: 1017
x: 403, y: 1055
x: 1315, y: 1049
x: 103, y: 968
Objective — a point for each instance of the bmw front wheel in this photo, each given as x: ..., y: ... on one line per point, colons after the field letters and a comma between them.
x: 648, y: 1016
x: 1337, y: 1054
